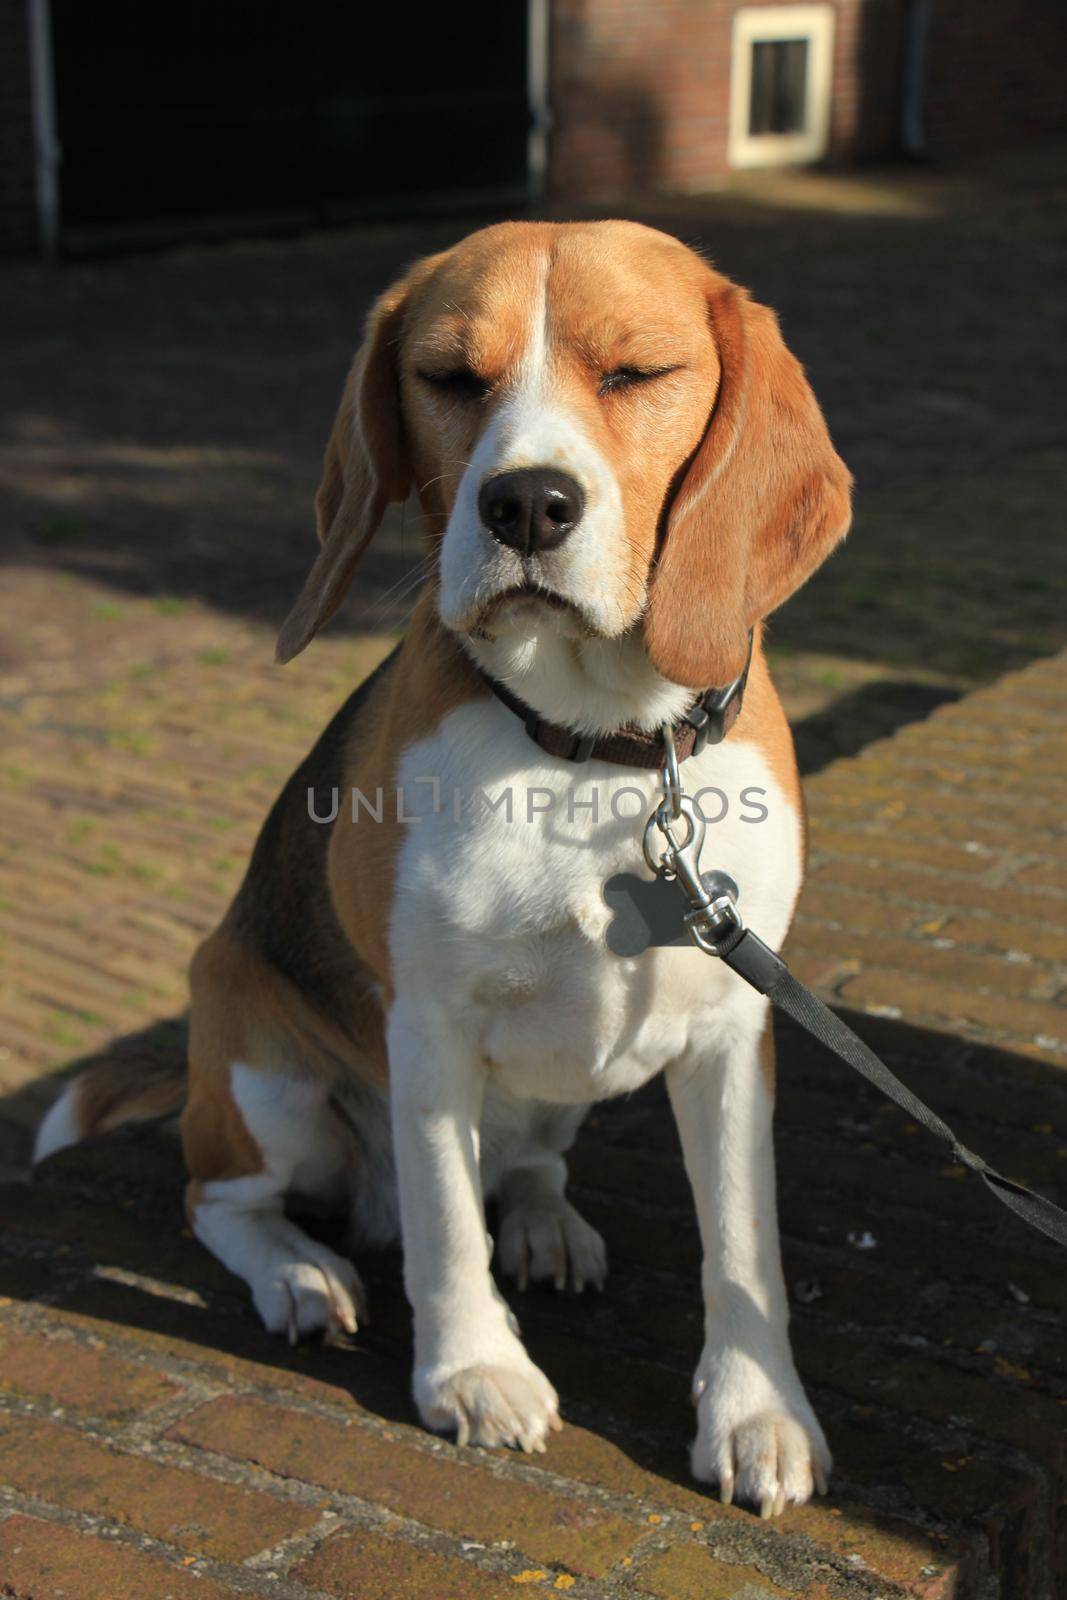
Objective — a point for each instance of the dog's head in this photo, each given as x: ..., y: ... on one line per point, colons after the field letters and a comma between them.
x: 604, y: 435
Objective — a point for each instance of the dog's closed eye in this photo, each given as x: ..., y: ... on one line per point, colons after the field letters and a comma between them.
x: 461, y: 382
x: 632, y: 377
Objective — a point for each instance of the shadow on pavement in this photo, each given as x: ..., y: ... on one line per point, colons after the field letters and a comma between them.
x: 927, y: 1322
x: 854, y: 720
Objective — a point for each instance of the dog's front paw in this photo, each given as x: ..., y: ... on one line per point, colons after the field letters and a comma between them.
x: 490, y: 1405
x: 759, y: 1440
x: 546, y: 1238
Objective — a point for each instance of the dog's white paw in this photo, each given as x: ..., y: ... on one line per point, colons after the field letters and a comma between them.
x: 490, y: 1405
x: 546, y: 1238
x: 759, y: 1441
x: 312, y: 1290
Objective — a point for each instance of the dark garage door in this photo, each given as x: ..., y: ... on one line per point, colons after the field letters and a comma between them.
x: 180, y: 113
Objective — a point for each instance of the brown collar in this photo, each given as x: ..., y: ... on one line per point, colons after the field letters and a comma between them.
x: 707, y: 721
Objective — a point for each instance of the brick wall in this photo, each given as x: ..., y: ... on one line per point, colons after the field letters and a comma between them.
x: 867, y: 53
x: 640, y: 91
x: 18, y: 205
x: 639, y: 94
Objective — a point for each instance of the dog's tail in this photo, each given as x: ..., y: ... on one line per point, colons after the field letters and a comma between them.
x: 138, y: 1078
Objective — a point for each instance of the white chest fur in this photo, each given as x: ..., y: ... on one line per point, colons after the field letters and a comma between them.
x: 499, y: 917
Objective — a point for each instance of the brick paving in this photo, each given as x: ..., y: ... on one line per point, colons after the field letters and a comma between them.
x: 154, y: 1441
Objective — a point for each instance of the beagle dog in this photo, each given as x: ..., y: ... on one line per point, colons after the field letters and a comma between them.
x: 411, y: 1003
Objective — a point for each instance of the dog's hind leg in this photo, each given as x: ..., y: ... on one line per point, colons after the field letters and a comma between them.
x: 298, y: 1285
x: 253, y: 1134
x: 541, y: 1236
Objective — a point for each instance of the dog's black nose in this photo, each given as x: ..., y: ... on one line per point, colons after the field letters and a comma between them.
x: 532, y: 509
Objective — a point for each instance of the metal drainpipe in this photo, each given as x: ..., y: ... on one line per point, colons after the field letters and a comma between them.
x: 537, y: 94
x: 47, y: 153
x: 911, y: 129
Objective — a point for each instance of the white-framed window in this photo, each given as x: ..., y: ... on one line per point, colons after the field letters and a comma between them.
x: 781, y: 71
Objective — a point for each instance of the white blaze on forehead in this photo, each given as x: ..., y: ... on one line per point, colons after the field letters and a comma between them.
x: 535, y: 427
x: 535, y: 363
x: 530, y: 431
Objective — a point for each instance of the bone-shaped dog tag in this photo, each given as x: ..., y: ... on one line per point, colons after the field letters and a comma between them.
x: 648, y: 912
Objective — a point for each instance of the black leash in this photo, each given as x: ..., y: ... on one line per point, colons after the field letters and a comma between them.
x: 715, y: 926
x: 754, y: 961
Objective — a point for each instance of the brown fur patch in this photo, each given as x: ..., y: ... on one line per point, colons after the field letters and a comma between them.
x: 432, y: 677
x: 766, y: 1053
x: 763, y: 723
x: 764, y: 502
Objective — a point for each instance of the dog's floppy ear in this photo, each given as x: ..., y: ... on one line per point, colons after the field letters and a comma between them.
x: 365, y: 468
x: 764, y: 501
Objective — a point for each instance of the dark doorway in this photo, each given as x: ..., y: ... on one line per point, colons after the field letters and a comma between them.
x: 194, y: 115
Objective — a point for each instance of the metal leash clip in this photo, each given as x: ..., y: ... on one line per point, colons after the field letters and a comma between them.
x: 713, y: 919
